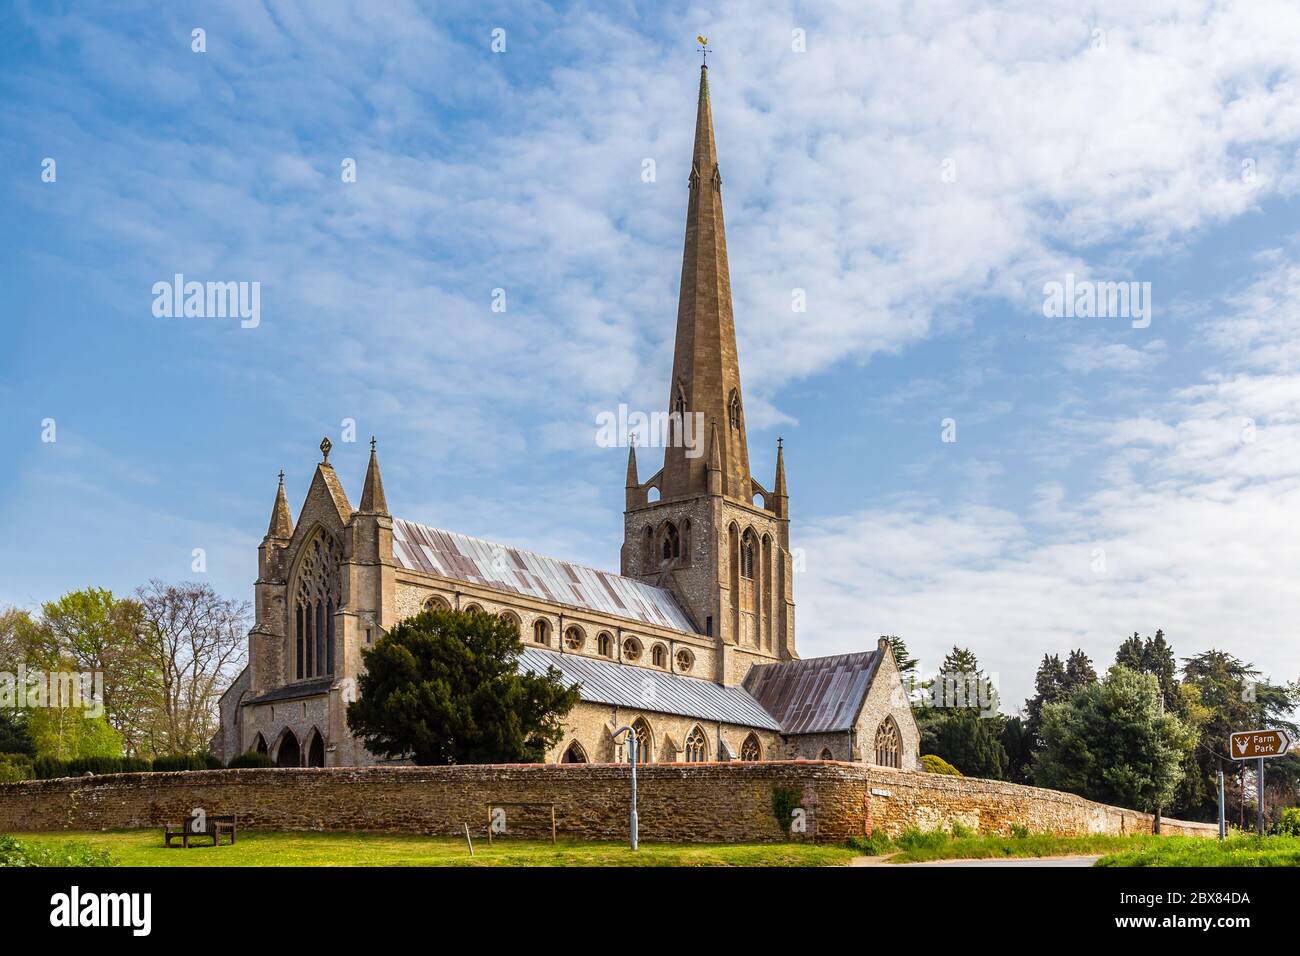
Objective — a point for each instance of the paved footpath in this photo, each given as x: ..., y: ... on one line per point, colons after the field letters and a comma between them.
x: 1000, y: 861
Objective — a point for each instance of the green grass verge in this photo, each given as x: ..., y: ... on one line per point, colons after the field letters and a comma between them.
x: 1240, y: 850
x: 917, y: 846
x: 269, y: 848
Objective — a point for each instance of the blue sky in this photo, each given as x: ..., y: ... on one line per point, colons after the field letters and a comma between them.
x: 920, y: 170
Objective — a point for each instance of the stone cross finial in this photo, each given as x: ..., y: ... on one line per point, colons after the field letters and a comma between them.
x: 372, y: 443
x: 281, y: 476
x: 325, y: 446
x: 780, y: 442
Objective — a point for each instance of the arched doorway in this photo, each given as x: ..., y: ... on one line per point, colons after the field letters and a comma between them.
x: 574, y: 754
x: 259, y: 744
x: 315, y: 749
x: 288, y: 754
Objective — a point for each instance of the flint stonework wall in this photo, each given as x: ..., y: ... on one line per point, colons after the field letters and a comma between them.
x: 712, y: 802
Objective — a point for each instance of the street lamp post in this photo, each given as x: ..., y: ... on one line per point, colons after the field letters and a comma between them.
x: 633, y: 743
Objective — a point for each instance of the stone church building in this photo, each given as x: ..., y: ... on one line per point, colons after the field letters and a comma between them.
x: 692, y: 644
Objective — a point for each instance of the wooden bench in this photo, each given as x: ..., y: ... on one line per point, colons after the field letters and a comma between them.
x: 214, y: 828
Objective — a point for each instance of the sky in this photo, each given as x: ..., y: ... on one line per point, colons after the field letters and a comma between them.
x: 963, y: 468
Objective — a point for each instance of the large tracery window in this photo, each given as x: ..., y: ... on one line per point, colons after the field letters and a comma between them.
x: 889, y: 751
x: 697, y: 746
x: 750, y: 749
x: 316, y: 598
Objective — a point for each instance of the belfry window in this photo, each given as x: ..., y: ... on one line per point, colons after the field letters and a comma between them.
x: 733, y: 410
x: 316, y: 598
x: 672, y: 547
x: 747, y: 555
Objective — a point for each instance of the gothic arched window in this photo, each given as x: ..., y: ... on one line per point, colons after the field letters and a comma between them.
x: 697, y: 746
x: 750, y: 749
x: 541, y: 631
x: 605, y: 645
x: 316, y: 598
x: 645, y: 742
x: 672, y: 547
x: 747, y: 555
x: 511, y: 618
x: 659, y: 656
x: 826, y: 754
x: 888, y: 747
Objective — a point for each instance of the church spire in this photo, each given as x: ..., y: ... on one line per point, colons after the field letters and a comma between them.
x: 705, y: 387
x: 281, y: 525
x: 372, y: 493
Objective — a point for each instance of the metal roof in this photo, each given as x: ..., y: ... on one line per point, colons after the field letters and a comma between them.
x: 608, y: 682
x: 817, y: 695
x: 307, y: 688
x: 418, y: 547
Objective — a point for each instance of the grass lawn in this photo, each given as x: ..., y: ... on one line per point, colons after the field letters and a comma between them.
x: 927, y: 846
x: 270, y: 848
x: 1240, y: 850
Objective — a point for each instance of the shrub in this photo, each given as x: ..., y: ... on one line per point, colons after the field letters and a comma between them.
x: 15, y: 767
x: 878, y: 844
x: 916, y: 839
x: 16, y: 853
x: 1289, y: 825
x: 931, y: 763
x: 785, y: 800
x: 174, y: 762
x: 1019, y: 832
x: 48, y: 768
x: 251, y: 759
x: 960, y: 831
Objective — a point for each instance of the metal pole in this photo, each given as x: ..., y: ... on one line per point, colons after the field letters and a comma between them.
x: 1223, y: 821
x: 633, y: 824
x: 1259, y: 798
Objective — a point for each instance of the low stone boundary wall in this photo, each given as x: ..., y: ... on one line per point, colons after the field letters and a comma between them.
x: 701, y: 803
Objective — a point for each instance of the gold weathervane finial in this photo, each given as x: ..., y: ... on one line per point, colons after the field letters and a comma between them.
x: 325, y: 446
x: 704, y: 48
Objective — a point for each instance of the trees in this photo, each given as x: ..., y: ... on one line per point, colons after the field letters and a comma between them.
x: 194, y: 647
x: 961, y: 723
x: 443, y: 687
x: 92, y: 631
x: 1113, y: 741
x: 1229, y: 695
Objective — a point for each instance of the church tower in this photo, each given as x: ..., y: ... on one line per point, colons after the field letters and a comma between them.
x: 713, y: 535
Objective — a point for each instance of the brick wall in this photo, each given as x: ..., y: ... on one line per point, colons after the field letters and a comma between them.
x: 715, y: 802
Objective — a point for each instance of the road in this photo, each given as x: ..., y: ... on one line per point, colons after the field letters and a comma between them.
x: 1001, y: 861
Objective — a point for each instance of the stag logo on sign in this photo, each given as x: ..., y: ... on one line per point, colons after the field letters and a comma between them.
x: 75, y: 909
x: 179, y: 299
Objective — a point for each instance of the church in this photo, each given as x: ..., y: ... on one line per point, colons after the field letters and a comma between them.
x: 692, y: 643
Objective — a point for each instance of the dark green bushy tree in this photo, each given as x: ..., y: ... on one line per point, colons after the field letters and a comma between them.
x: 443, y: 687
x: 1114, y: 742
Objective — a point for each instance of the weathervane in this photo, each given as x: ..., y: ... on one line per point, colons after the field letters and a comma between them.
x: 704, y: 48
x: 325, y: 446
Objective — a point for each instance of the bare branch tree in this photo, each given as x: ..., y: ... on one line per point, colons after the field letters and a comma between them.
x: 197, y: 640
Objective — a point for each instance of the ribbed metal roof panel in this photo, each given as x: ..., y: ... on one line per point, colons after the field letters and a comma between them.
x: 818, y: 695
x: 418, y: 547
x: 621, y: 685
